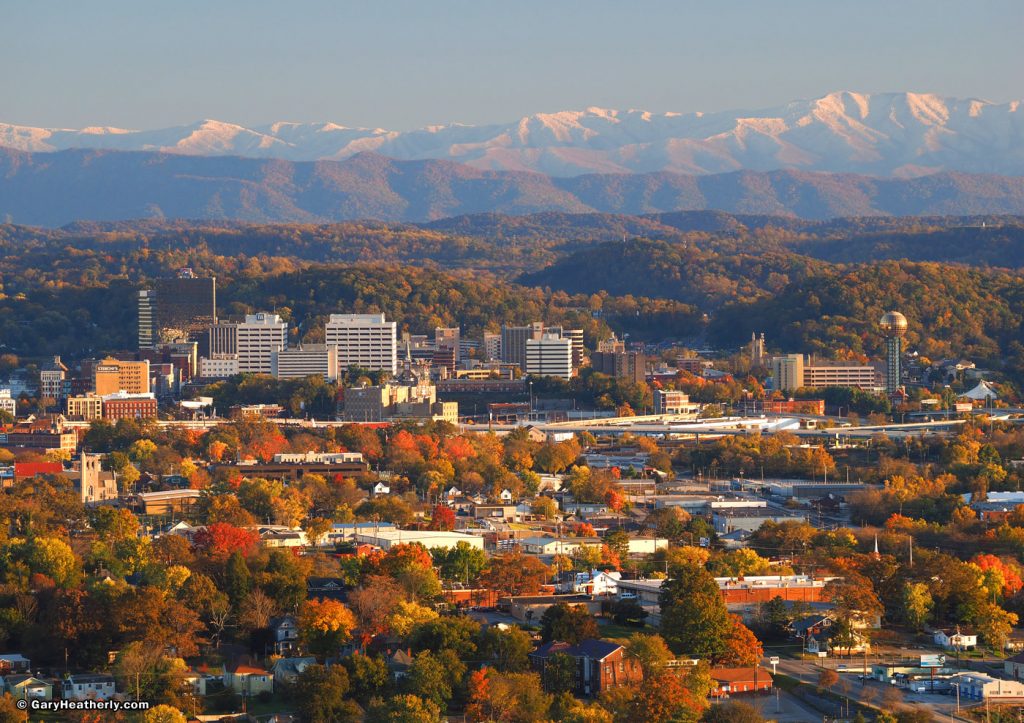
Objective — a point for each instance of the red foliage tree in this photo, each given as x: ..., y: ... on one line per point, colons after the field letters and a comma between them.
x: 442, y: 518
x: 220, y: 539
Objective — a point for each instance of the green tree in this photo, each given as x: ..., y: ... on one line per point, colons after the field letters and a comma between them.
x: 367, y: 676
x: 403, y: 709
x: 694, y: 620
x: 917, y: 603
x: 650, y: 651
x: 429, y: 680
x: 237, y: 578
x: 568, y: 624
x: 320, y: 692
x: 506, y: 649
x: 560, y: 673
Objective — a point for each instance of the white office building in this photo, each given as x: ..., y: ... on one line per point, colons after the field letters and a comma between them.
x: 8, y: 403
x: 218, y: 366
x: 549, y: 356
x: 304, y: 361
x: 366, y: 341
x: 258, y: 337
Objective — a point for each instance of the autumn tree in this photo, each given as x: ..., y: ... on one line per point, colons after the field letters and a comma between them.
x: 567, y: 624
x: 319, y: 693
x: 442, y: 518
x: 515, y: 573
x: 325, y: 625
x: 694, y: 620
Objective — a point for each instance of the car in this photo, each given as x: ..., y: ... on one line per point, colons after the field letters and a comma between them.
x: 841, y: 666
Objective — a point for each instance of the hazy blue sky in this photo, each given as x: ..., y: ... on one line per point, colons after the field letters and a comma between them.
x: 400, y: 65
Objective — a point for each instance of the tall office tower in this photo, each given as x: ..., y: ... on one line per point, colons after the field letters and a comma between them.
x: 447, y: 338
x: 549, y: 356
x: 222, y: 338
x: 51, y: 379
x: 492, y: 346
x: 366, y: 341
x: 894, y: 327
x: 176, y: 309
x: 756, y: 349
x: 513, y: 342
x: 576, y: 337
x: 257, y: 337
x: 147, y: 314
x: 788, y: 372
x: 629, y: 365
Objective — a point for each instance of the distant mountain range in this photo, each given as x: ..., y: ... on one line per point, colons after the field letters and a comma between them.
x: 52, y: 189
x: 888, y: 134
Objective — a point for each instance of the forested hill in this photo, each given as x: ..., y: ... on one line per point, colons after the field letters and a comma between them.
x: 52, y: 189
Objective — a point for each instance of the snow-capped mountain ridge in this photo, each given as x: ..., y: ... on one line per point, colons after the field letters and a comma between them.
x: 887, y: 134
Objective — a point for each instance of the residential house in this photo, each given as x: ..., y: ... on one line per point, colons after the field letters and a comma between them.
x: 248, y: 680
x: 287, y: 670
x: 285, y: 632
x: 505, y: 496
x: 600, y: 664
x: 14, y: 663
x: 730, y: 681
x: 196, y: 680
x: 381, y: 489
x: 399, y: 663
x: 28, y: 687
x: 956, y: 639
x: 88, y: 686
x: 332, y: 588
x: 1014, y: 667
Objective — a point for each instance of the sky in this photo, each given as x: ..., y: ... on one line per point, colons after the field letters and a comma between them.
x: 406, y: 64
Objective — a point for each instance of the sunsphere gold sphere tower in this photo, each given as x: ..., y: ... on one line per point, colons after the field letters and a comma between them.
x: 894, y: 327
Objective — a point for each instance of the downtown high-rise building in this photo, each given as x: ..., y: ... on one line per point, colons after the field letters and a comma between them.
x: 181, y: 308
x: 365, y: 341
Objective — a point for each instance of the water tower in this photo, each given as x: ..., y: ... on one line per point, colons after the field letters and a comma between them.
x: 894, y: 327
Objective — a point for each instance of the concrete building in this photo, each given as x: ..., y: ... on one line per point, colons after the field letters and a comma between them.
x: 51, y: 379
x: 111, y: 376
x: 672, y: 402
x: 222, y: 338
x: 793, y: 371
x: 492, y: 346
x: 366, y: 341
x: 129, y: 406
x: 218, y: 366
x: 628, y: 365
x: 8, y: 403
x: 576, y: 337
x: 513, y: 342
x: 549, y: 356
x: 397, y: 401
x: 295, y: 466
x: 448, y: 338
x: 86, y: 407
x: 304, y: 361
x: 180, y: 308
x: 430, y: 539
x: 258, y: 337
